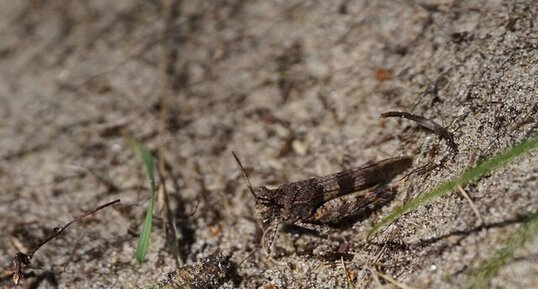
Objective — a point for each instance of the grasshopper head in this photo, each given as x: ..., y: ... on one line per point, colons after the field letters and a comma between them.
x: 266, y: 204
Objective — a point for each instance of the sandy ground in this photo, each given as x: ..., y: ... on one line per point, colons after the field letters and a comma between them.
x: 296, y: 88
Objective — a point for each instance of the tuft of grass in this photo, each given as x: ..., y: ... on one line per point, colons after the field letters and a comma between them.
x: 465, y: 178
x: 528, y: 229
x: 145, y: 233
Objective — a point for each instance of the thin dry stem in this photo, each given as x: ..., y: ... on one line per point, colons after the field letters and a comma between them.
x: 169, y: 13
x: 21, y: 259
x: 471, y: 203
x: 390, y: 279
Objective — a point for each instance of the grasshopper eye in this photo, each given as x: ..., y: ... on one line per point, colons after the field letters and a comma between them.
x: 265, y: 201
x: 224, y: 265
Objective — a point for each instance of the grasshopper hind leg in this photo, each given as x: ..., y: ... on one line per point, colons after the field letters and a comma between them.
x: 353, y: 206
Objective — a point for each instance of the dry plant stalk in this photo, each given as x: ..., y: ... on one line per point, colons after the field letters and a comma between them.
x: 23, y: 259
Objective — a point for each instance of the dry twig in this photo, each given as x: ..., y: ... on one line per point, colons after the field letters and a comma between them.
x: 21, y: 259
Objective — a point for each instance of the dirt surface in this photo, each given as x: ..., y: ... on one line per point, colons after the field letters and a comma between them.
x: 296, y: 88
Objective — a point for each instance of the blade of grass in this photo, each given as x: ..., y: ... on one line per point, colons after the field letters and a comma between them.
x: 527, y: 230
x: 145, y: 233
x: 465, y: 178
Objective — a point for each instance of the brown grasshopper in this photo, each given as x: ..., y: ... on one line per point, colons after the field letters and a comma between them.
x: 326, y: 200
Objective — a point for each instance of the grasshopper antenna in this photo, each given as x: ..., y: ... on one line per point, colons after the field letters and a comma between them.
x: 244, y: 174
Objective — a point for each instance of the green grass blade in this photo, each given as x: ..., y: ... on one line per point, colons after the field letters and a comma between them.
x: 467, y: 177
x: 145, y: 234
x: 527, y: 230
